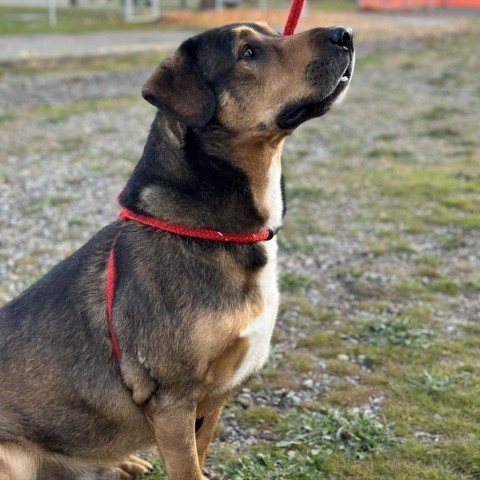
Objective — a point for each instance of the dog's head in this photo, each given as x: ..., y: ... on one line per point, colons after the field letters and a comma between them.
x: 246, y: 77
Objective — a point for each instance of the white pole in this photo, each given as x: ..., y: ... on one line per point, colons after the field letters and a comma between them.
x: 155, y: 9
x: 52, y: 12
x: 218, y: 5
x: 128, y: 10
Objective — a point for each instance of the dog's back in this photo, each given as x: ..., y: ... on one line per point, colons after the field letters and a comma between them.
x: 59, y: 389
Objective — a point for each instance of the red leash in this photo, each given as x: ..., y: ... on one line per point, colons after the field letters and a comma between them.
x: 292, y: 21
x: 203, y: 233
x: 111, y: 277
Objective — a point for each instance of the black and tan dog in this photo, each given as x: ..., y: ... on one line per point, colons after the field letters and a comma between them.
x: 193, y: 317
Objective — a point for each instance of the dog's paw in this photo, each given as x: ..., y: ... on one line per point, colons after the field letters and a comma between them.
x: 133, y: 466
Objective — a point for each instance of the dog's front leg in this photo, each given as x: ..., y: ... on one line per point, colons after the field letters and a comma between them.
x: 173, y: 421
x: 205, y: 433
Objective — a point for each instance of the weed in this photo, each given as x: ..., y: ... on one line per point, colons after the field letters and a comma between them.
x: 430, y: 260
x: 309, y: 193
x: 390, y: 153
x: 324, y: 316
x: 300, y: 361
x: 324, y: 342
x: 453, y: 242
x: 428, y: 272
x: 354, y: 432
x: 439, y: 112
x: 403, y: 332
x: 292, y: 282
x: 470, y: 222
x: 445, y: 132
x: 432, y: 384
x: 47, y: 201
x: 310, y: 440
x: 266, y: 416
x: 342, y: 368
x: 453, y: 286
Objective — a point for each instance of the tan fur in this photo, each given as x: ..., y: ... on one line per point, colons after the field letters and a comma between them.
x: 17, y: 462
x: 205, y: 435
x: 255, y: 156
x: 253, y: 149
x: 172, y: 419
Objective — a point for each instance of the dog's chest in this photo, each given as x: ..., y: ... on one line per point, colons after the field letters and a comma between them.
x: 258, y: 333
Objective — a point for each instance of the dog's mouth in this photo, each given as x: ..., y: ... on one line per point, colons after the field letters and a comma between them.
x: 293, y: 115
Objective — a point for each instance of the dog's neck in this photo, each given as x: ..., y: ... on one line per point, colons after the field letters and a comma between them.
x: 205, y: 178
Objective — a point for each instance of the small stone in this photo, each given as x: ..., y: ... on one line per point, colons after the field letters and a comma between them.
x: 296, y: 400
x: 308, y: 383
x: 322, y: 364
x: 245, y: 400
x: 343, y: 357
x: 361, y: 359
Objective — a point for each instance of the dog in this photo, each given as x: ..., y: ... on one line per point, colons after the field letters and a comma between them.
x: 191, y: 318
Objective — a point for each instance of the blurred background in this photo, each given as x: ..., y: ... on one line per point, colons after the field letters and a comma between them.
x: 374, y: 370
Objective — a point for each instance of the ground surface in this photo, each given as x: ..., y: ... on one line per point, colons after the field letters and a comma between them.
x: 379, y: 256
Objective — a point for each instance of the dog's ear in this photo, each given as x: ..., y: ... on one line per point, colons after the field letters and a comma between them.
x: 178, y: 88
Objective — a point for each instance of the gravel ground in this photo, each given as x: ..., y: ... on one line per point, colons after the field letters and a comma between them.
x: 60, y: 173
x: 67, y: 87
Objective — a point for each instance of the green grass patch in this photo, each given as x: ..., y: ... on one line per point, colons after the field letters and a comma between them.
x: 445, y: 132
x: 310, y: 440
x: 432, y: 384
x: 99, y: 63
x: 391, y: 154
x: 327, y: 344
x: 401, y: 332
x: 260, y: 415
x: 292, y: 282
x: 303, y: 362
x: 440, y: 112
x: 47, y: 201
x: 54, y: 114
x: 309, y: 193
x: 454, y: 286
x: 28, y: 20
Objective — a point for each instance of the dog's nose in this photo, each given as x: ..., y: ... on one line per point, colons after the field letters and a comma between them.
x: 341, y: 36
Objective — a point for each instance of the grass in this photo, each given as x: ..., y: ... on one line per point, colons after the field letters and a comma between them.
x: 47, y: 201
x: 27, y: 20
x: 312, y: 441
x: 53, y: 114
x: 101, y: 63
x: 292, y: 282
x: 401, y: 332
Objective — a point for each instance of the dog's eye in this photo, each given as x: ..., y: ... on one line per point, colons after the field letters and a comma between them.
x: 248, y: 52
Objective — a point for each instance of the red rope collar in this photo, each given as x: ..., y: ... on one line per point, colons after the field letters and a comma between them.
x: 203, y: 233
